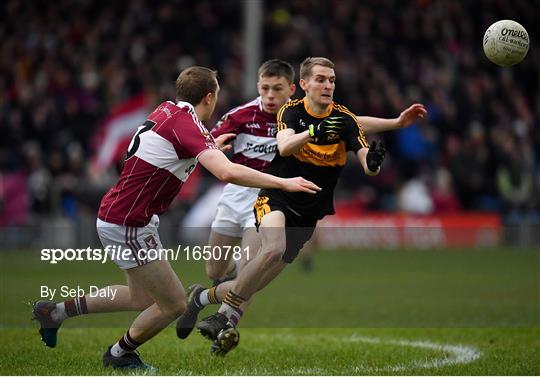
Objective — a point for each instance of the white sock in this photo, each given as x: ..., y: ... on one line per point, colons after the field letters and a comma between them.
x: 203, y: 298
x: 207, y: 297
x: 117, y: 351
x: 227, y: 310
x: 59, y: 313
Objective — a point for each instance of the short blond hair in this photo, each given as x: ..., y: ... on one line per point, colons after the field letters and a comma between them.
x: 307, y: 65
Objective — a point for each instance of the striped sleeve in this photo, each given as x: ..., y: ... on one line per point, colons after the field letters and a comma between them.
x: 357, y: 138
x: 284, y: 114
x: 361, y: 135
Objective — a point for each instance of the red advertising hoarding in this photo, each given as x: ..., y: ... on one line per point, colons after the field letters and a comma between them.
x: 346, y: 229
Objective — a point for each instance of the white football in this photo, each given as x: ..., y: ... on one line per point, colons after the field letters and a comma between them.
x: 506, y: 43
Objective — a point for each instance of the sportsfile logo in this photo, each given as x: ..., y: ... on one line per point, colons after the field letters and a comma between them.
x: 53, y: 256
x: 118, y: 253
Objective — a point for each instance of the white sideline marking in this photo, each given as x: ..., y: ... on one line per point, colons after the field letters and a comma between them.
x: 457, y: 354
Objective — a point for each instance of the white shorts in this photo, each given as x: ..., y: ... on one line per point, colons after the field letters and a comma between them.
x: 130, y: 247
x: 235, y: 210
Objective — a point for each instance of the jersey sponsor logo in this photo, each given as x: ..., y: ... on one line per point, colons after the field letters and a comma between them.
x: 256, y: 147
x: 261, y: 148
x: 323, y: 155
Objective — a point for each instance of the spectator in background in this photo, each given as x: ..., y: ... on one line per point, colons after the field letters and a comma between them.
x: 39, y: 180
x: 470, y: 168
x: 442, y: 193
x: 428, y: 52
x: 414, y: 196
x: 515, y: 182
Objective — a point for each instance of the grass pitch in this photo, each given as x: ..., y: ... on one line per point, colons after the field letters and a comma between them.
x: 456, y: 312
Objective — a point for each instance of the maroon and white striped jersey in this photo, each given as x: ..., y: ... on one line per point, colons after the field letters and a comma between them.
x: 255, y: 145
x: 160, y: 158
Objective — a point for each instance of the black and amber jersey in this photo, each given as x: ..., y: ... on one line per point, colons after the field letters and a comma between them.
x: 320, y: 162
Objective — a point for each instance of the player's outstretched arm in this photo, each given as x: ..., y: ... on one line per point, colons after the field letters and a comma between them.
x: 290, y: 142
x: 407, y: 117
x: 220, y: 166
x: 372, y: 158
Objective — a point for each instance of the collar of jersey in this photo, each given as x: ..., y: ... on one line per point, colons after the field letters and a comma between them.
x: 183, y: 104
x: 310, y: 112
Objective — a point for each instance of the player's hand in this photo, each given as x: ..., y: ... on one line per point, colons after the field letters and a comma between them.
x: 222, y: 141
x: 300, y: 184
x: 411, y: 114
x: 375, y: 156
x: 323, y: 130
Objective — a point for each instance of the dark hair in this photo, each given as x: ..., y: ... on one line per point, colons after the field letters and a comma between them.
x: 307, y: 65
x: 277, y: 67
x: 194, y: 83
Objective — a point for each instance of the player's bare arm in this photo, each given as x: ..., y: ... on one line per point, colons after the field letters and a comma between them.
x: 220, y: 166
x: 407, y: 117
x: 290, y: 142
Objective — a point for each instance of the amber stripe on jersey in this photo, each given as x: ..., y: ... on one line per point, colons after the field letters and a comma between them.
x: 280, y: 125
x: 362, y: 137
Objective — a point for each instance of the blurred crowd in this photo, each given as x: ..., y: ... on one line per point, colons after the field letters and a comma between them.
x: 479, y: 149
x: 64, y: 65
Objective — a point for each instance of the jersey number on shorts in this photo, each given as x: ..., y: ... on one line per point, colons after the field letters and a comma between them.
x: 136, y: 141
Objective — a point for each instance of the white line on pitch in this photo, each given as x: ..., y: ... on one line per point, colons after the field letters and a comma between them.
x: 458, y: 354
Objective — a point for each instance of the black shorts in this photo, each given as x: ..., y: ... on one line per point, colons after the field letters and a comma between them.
x: 298, y: 228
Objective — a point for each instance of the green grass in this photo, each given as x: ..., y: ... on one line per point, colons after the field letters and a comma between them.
x: 357, y: 312
x: 282, y: 351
